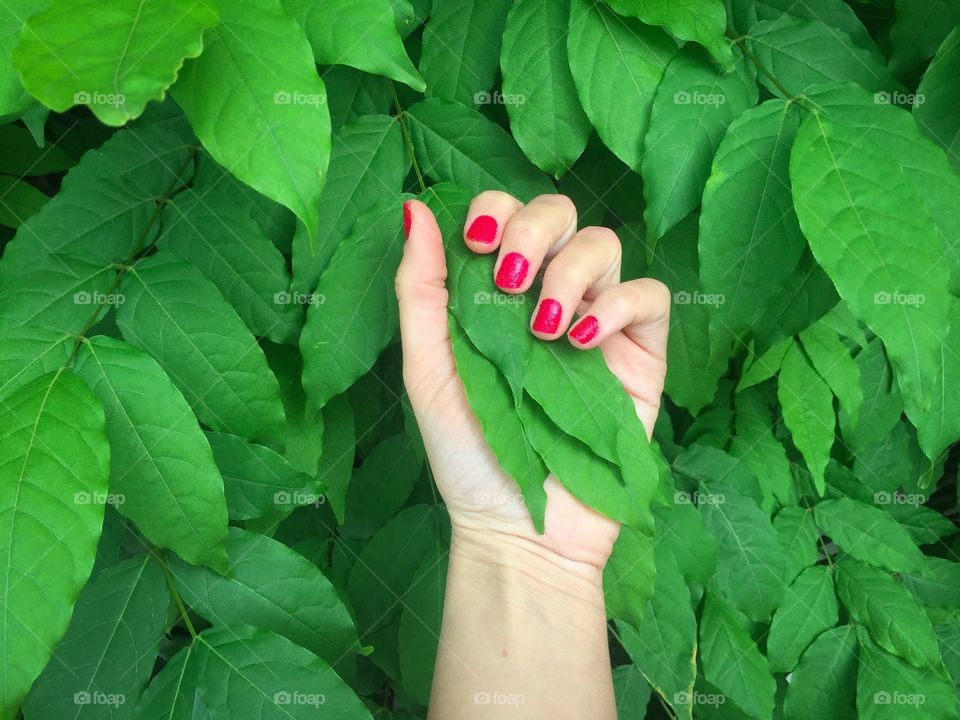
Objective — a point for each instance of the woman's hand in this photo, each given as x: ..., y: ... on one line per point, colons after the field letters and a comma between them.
x: 581, y: 297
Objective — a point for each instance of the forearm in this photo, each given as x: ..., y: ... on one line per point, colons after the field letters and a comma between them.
x: 524, y: 635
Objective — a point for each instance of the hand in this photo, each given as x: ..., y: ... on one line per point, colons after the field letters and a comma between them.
x: 581, y: 277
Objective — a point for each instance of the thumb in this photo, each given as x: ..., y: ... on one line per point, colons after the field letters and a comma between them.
x: 422, y: 297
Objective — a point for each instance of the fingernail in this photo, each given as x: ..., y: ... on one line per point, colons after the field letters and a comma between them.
x: 585, y: 330
x: 548, y: 316
x: 483, y: 230
x: 407, y: 220
x: 512, y: 272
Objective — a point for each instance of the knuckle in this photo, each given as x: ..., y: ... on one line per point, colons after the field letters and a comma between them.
x: 604, y: 238
x: 565, y: 270
x: 660, y: 293
x: 493, y: 197
x: 526, y: 231
x: 560, y: 202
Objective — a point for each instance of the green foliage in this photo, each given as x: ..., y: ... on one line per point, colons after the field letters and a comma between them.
x: 200, y: 227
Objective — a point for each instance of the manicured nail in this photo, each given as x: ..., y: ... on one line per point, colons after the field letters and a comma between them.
x: 513, y: 271
x: 585, y: 330
x: 548, y: 316
x: 407, y: 219
x: 483, y: 230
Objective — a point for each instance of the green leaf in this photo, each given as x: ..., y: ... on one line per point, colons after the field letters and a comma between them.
x: 756, y: 445
x: 162, y: 467
x: 257, y: 481
x: 227, y: 671
x: 881, y: 408
x: 385, y: 567
x: 629, y: 576
x: 457, y: 144
x: 492, y: 402
x: 19, y: 201
x: 750, y: 239
x: 339, y: 448
x: 23, y: 158
x: 694, y: 105
x: 941, y: 587
x: 388, y: 474
x: 925, y: 526
x: 461, y: 48
x: 824, y: 684
x: 918, y: 29
x: 359, y: 33
x: 214, y: 233
x: 272, y: 587
x: 939, y: 427
x: 807, y: 406
x: 111, y: 645
x: 832, y: 360
x: 681, y: 528
x: 664, y: 647
x: 13, y: 98
x: 849, y: 216
x: 835, y: 14
x: 277, y: 137
x: 29, y: 352
x: 697, y: 359
x: 125, y: 53
x: 58, y: 293
x: 935, y: 114
x: 591, y: 479
x: 631, y: 690
x: 868, y: 534
x: 355, y: 313
x: 750, y: 564
x: 54, y: 461
x: 801, y: 54
x: 732, y: 662
x: 798, y: 535
x: 541, y: 100
x: 353, y: 94
x: 107, y: 204
x: 703, y: 21
x: 808, y: 609
x: 177, y: 316
x: 420, y: 626
x: 367, y: 166
x: 890, y: 689
x: 895, y: 620
x: 617, y: 63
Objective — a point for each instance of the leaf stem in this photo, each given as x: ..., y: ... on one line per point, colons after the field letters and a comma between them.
x: 788, y: 96
x: 184, y: 614
x: 408, y: 141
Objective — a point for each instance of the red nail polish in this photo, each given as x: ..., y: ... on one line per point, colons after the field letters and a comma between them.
x: 483, y: 230
x: 585, y: 330
x: 513, y: 271
x: 548, y: 316
x: 407, y: 219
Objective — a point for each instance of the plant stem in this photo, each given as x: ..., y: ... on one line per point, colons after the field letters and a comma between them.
x: 184, y: 614
x: 406, y: 137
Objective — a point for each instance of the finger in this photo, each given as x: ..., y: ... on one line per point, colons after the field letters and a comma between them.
x: 586, y: 266
x: 641, y: 308
x: 538, y: 229
x: 421, y: 293
x: 488, y: 215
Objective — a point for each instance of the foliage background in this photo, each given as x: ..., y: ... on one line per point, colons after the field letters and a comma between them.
x: 213, y: 500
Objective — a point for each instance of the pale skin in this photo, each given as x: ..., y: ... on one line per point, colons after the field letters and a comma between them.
x: 524, y: 627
